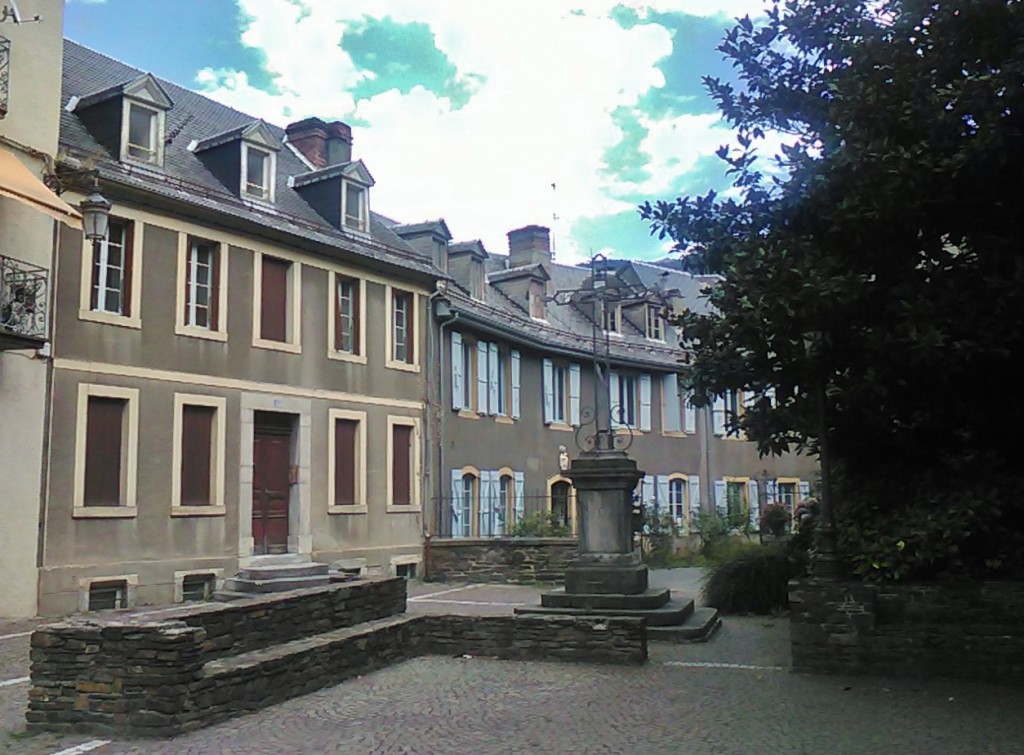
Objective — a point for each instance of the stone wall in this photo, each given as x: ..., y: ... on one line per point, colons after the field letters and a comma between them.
x: 133, y: 675
x: 959, y: 630
x: 510, y: 560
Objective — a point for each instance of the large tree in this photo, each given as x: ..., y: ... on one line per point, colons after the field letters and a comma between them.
x: 880, y: 253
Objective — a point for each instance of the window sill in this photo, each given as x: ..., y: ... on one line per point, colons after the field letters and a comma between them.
x: 346, y: 356
x: 198, y: 510
x: 104, y: 512
x: 411, y: 508
x: 561, y: 427
x: 355, y: 509
x: 501, y: 420
x: 675, y: 434
x: 108, y: 318
x: 403, y: 366
x: 194, y: 332
x: 468, y: 414
x: 285, y: 346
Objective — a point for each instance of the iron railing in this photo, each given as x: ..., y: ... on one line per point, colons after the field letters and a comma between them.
x: 5, y: 73
x: 24, y: 289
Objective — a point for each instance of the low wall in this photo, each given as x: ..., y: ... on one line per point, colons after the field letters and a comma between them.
x: 136, y: 676
x: 959, y: 630
x: 509, y: 560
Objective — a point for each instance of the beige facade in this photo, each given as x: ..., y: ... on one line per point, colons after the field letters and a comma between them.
x: 30, y: 53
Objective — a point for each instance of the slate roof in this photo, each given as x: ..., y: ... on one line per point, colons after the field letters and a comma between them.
x: 184, y: 178
x: 568, y: 328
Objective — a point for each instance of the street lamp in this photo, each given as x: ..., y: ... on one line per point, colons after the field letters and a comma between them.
x: 827, y: 565
x: 95, y: 216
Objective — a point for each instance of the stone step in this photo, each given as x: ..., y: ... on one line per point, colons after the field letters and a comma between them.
x: 283, y: 571
x: 648, y: 600
x: 278, y: 584
x: 700, y: 626
x: 673, y: 613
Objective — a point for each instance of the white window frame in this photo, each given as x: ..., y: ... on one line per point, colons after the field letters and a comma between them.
x: 413, y: 334
x: 360, y: 507
x: 333, y: 281
x: 654, y: 323
x: 611, y: 318
x: 269, y: 173
x: 132, y: 320
x: 182, y: 326
x: 156, y: 133
x: 363, y: 218
x: 129, y: 452
x: 218, y: 450
x: 415, y: 471
x: 294, y: 304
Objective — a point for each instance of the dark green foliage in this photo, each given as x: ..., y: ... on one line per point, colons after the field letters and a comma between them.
x: 540, y: 524
x: 881, y: 259
x: 774, y: 519
x: 754, y: 580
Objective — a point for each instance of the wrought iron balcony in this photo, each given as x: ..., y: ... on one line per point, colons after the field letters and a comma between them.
x: 23, y: 296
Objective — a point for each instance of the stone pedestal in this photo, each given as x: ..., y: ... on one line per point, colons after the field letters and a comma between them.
x: 608, y: 578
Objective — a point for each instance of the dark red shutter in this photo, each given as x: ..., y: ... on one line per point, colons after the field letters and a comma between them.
x: 338, y: 334
x: 345, y: 462
x: 189, y: 275
x: 215, y: 252
x: 93, y: 289
x: 103, y: 443
x: 401, y: 464
x: 356, y: 325
x: 274, y: 293
x: 196, y: 454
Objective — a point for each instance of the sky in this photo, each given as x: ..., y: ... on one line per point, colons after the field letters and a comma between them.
x: 491, y: 115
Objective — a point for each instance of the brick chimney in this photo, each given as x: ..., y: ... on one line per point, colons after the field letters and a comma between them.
x: 529, y: 245
x: 322, y: 143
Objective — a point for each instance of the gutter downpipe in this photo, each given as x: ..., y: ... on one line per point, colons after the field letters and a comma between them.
x: 442, y: 411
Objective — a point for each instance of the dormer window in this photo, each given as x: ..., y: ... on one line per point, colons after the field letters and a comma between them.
x: 655, y: 325
x: 143, y: 134
x: 355, y: 209
x: 612, y: 317
x: 257, y: 172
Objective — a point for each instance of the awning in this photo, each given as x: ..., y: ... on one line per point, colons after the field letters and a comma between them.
x: 17, y: 182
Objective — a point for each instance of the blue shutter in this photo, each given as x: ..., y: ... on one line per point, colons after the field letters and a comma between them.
x: 753, y: 503
x: 720, y: 502
x: 493, y: 364
x: 694, y: 483
x: 670, y: 403
x: 689, y: 414
x: 613, y: 399
x: 574, y: 394
x: 645, y: 402
x: 519, y: 481
x: 549, y: 391
x: 481, y: 377
x: 661, y: 494
x: 719, y: 415
x: 485, y: 506
x: 805, y: 490
x: 458, y: 370
x: 771, y: 492
x: 456, y: 503
x: 515, y: 384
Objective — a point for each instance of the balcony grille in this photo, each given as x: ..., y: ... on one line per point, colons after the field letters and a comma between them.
x: 23, y: 296
x: 5, y: 73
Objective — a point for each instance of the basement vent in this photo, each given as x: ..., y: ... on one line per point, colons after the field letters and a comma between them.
x: 104, y: 596
x: 405, y: 570
x: 197, y: 587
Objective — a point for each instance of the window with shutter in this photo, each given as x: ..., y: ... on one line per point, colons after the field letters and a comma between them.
x: 346, y: 321
x: 274, y: 299
x: 403, y: 454
x: 197, y: 435
x: 104, y: 451
x: 346, y: 462
x: 110, y: 290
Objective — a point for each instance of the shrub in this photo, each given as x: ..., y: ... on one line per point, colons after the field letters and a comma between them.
x: 540, y: 524
x: 713, y: 531
x: 754, y: 580
x: 774, y: 518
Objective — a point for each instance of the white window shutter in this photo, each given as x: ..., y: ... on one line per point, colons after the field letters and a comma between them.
x: 689, y: 414
x: 645, y: 402
x: 500, y: 505
x: 456, y: 503
x: 694, y: 484
x: 574, y: 394
x: 719, y: 415
x: 549, y: 391
x: 752, y: 502
x: 670, y: 403
x: 518, y: 479
x: 805, y: 490
x: 481, y: 377
x: 515, y: 384
x: 492, y: 378
x: 771, y: 494
x: 486, y: 503
x: 613, y: 399
x: 720, y: 502
x: 458, y: 370
x: 661, y: 493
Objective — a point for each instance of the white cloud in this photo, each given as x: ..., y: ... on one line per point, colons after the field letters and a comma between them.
x: 542, y: 116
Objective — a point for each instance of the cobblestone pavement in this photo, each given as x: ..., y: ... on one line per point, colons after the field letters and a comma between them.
x: 732, y: 695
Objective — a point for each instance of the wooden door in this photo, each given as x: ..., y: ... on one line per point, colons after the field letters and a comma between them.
x: 272, y: 442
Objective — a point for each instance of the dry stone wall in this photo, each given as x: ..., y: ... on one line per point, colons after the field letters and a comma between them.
x: 133, y: 675
x: 509, y: 560
x: 967, y: 630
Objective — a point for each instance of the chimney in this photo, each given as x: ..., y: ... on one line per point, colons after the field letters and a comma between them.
x: 323, y: 144
x: 529, y: 245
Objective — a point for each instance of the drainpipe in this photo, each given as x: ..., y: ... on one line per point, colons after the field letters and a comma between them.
x: 441, y: 309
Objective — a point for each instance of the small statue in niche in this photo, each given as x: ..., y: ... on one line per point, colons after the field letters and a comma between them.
x: 563, y: 459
